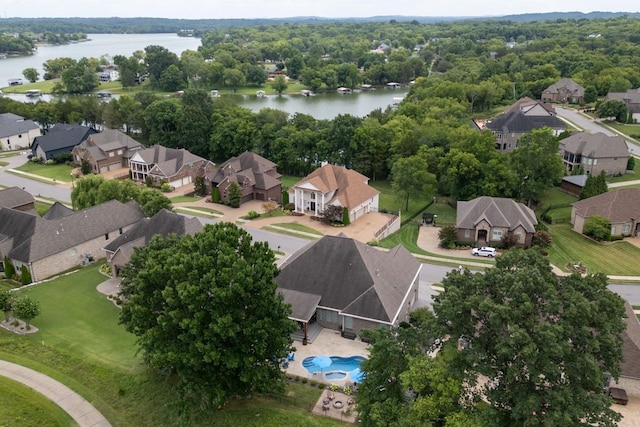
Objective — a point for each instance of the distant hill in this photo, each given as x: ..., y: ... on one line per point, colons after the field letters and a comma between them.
x: 168, y: 25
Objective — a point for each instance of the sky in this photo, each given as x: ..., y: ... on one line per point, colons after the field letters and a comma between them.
x: 222, y: 9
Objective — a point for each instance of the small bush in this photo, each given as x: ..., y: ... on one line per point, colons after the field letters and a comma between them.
x: 313, y: 383
x: 297, y: 378
x: 289, y: 206
x: 334, y: 387
x: 347, y: 390
x: 25, y: 275
x: 252, y: 215
x: 373, y: 242
x: 36, y: 160
x: 304, y: 381
x: 615, y: 238
x: 166, y: 187
x: 49, y: 162
x: 321, y: 386
x: 447, y: 236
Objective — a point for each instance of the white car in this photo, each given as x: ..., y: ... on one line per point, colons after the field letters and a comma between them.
x: 484, y: 251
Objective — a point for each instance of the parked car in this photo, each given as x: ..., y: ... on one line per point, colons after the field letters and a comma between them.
x: 484, y: 251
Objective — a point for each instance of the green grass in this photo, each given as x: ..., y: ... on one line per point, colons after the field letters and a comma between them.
x: 555, y: 196
x: 289, y: 181
x: 88, y: 333
x: 22, y: 406
x: 631, y: 130
x: 2, y: 164
x: 390, y: 203
x: 6, y: 285
x: 190, y: 210
x: 298, y: 227
x: 562, y: 214
x: 619, y: 258
x: 42, y: 207
x: 626, y: 177
x: 185, y: 199
x: 288, y: 233
x: 45, y: 86
x: 446, y: 214
x: 60, y: 172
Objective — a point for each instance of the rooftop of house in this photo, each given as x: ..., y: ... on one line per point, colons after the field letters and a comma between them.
x: 516, y: 121
x: 13, y: 124
x: 596, y: 145
x: 166, y: 161
x: 62, y: 136
x: 497, y: 211
x: 566, y: 84
x: 14, y: 197
x: 250, y: 168
x: 618, y: 206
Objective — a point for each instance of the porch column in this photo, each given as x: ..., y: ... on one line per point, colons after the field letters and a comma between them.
x: 305, y: 327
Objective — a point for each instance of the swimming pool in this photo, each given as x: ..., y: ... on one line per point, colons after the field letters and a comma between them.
x: 338, y: 369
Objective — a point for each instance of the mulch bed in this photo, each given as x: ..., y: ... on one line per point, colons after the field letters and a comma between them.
x: 20, y: 328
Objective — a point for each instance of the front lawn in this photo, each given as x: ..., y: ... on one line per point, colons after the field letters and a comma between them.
x: 627, y: 176
x: 186, y: 199
x: 298, y: 227
x: 632, y: 130
x: 618, y: 258
x: 59, y: 172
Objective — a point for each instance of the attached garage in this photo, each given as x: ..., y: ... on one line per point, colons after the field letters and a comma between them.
x: 180, y: 182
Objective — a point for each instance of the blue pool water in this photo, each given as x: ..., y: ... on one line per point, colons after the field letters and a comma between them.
x: 343, y: 364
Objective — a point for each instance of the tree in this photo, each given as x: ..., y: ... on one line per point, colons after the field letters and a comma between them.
x: 597, y: 227
x: 542, y: 239
x: 81, y: 77
x: 331, y: 214
x: 31, y: 74
x: 152, y: 201
x: 172, y: 79
x: 410, y: 178
x: 279, y: 84
x: 199, y: 187
x: 25, y: 275
x: 235, y: 194
x: 631, y: 163
x: 448, y: 236
x: 9, y: 269
x: 233, y: 78
x: 612, y: 108
x: 594, y: 185
x: 542, y: 342
x: 345, y: 216
x: 211, y: 315
x: 26, y: 309
x: 6, y: 299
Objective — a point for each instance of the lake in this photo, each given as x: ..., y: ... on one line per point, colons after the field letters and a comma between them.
x: 321, y: 106
x: 98, y: 45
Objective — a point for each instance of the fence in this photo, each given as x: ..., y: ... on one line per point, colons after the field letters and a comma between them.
x: 390, y: 227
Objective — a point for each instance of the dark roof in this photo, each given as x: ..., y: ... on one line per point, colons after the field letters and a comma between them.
x: 525, y: 104
x: 618, y: 206
x: 249, y: 168
x: 57, y: 211
x: 631, y: 98
x: 14, y: 197
x: 595, y: 146
x: 630, y: 366
x: 568, y: 85
x: 303, y: 305
x: 62, y: 136
x: 163, y: 223
x: 351, y: 277
x: 34, y: 238
x: 12, y: 124
x: 516, y: 121
x: 497, y: 211
x: 167, y: 161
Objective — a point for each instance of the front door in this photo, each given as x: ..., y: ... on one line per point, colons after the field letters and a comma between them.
x: 482, y: 237
x: 312, y: 206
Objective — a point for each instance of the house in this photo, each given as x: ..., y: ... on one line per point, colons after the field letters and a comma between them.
x: 334, y: 185
x: 348, y: 286
x: 621, y: 207
x: 511, y: 126
x: 163, y: 223
x: 58, y: 211
x: 178, y: 167
x: 16, y: 133
x: 18, y: 199
x: 106, y: 151
x: 531, y: 107
x: 631, y: 99
x: 564, y: 90
x: 51, y: 246
x: 257, y: 177
x: 484, y: 220
x: 61, y: 138
x: 594, y: 153
x: 629, y: 378
x: 573, y: 184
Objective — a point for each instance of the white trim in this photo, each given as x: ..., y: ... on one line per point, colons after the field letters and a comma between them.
x: 417, y: 276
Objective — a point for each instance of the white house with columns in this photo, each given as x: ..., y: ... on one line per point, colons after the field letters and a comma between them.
x: 334, y: 185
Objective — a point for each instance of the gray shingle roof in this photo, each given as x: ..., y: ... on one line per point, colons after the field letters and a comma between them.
x: 12, y: 124
x: 631, y: 98
x: 352, y: 277
x: 497, y: 211
x: 579, y: 180
x: 567, y: 84
x: 516, y: 121
x: 617, y: 206
x: 168, y: 161
x: 630, y: 366
x: 35, y: 238
x: 248, y: 167
x: 57, y: 211
x: 14, y: 197
x: 62, y: 136
x: 595, y: 146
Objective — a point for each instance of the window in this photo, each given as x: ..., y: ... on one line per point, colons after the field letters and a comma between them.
x: 613, y: 230
x: 106, y: 236
x: 626, y: 228
x: 519, y: 237
x: 348, y: 322
x: 467, y: 234
x: 120, y: 152
x: 497, y: 234
x: 313, y: 196
x: 111, y: 154
x: 73, y: 252
x: 120, y: 230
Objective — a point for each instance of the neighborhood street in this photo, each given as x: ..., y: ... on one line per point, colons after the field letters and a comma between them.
x: 430, y: 273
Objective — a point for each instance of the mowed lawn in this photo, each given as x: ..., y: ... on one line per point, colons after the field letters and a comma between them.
x: 59, y: 172
x: 75, y: 317
x: 617, y: 258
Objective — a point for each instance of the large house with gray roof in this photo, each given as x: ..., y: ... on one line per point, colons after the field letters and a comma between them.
x: 160, y: 164
x: 594, y: 153
x: 484, y: 220
x: 51, y: 246
x: 163, y: 223
x: 631, y: 99
x: 620, y: 206
x: 58, y: 139
x: 256, y: 176
x: 564, y: 90
x: 106, y: 151
x: 18, y: 199
x: 511, y: 126
x: 348, y: 286
x: 16, y: 133
x: 334, y: 185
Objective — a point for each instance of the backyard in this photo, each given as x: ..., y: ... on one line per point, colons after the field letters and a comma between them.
x: 81, y: 344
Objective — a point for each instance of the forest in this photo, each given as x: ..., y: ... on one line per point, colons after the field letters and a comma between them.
x: 457, y: 71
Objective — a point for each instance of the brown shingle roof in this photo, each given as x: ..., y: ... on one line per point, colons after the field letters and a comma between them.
x: 595, y: 146
x: 630, y: 366
x: 14, y: 197
x: 617, y: 206
x: 497, y: 211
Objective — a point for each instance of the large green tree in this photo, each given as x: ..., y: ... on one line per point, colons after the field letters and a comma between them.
x: 594, y: 185
x: 410, y: 178
x: 535, y: 346
x: 205, y: 307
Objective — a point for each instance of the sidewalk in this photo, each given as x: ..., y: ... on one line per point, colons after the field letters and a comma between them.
x: 75, y: 405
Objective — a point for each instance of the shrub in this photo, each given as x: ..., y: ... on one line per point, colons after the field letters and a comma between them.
x: 85, y: 168
x: 235, y: 194
x: 345, y: 216
x: 36, y: 160
x: 215, y: 195
x: 373, y: 242
x: 313, y: 383
x: 252, y: 215
x: 62, y: 157
x: 297, y: 378
x: 321, y: 386
x: 597, y: 227
x: 25, y: 275
x: 616, y: 238
x: 285, y: 198
x: 269, y: 206
x: 49, y: 162
x: 304, y: 381
x: 334, y: 387
x: 106, y: 269
x: 542, y: 239
x: 9, y: 269
x: 347, y: 390
x: 447, y: 236
x: 631, y: 163
x: 166, y: 187
x: 199, y: 186
x: 509, y: 240
x: 289, y: 206
x: 148, y: 181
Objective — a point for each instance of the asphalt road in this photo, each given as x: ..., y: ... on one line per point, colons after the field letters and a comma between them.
x: 429, y: 274
x: 591, y: 126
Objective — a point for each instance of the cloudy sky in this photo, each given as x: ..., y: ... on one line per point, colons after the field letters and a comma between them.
x: 218, y: 9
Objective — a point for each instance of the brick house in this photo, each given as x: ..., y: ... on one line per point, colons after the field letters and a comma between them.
x: 511, y: 126
x: 564, y: 90
x: 347, y: 286
x: 106, y: 151
x: 621, y: 207
x: 594, y: 153
x: 484, y: 220
x: 178, y: 167
x: 631, y: 99
x: 51, y: 246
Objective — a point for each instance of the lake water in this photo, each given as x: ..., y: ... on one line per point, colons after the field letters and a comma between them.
x: 321, y: 106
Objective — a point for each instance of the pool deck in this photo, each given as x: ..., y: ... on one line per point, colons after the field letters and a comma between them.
x: 328, y: 343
